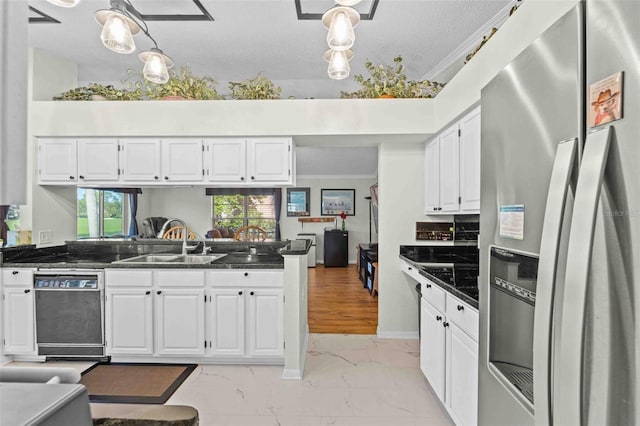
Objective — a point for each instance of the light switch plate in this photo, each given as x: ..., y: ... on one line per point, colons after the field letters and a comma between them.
x: 45, y: 236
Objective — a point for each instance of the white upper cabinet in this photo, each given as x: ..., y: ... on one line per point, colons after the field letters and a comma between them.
x: 269, y: 159
x: 452, y: 168
x: 140, y: 160
x: 449, y: 170
x: 98, y: 160
x: 470, y: 162
x: 57, y: 161
x: 247, y: 161
x: 225, y: 160
x: 432, y: 175
x: 161, y: 160
x: 182, y: 160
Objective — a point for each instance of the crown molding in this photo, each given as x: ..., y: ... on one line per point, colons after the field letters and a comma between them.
x: 472, y: 41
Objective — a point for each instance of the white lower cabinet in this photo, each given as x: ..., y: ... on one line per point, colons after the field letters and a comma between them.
x: 265, y: 323
x: 180, y: 312
x: 449, y: 355
x: 18, y: 312
x: 226, y: 322
x: 129, y: 325
x: 246, y: 322
x: 180, y: 321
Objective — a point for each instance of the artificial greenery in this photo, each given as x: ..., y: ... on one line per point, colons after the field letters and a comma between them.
x: 259, y: 87
x: 90, y: 92
x: 391, y: 80
x: 185, y: 85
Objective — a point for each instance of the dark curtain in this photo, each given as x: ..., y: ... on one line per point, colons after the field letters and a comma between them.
x: 3, y: 226
x: 277, y: 200
x: 133, y: 222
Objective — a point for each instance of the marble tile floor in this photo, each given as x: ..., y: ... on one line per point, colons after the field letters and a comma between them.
x: 349, y: 380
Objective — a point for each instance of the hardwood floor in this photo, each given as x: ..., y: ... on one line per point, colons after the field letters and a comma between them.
x: 338, y: 303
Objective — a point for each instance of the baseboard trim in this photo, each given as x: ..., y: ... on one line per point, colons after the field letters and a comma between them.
x: 397, y: 334
x: 289, y: 374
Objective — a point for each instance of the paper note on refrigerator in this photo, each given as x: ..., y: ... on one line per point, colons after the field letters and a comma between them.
x: 512, y: 222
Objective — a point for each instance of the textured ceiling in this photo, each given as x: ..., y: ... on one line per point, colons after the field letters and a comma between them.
x: 265, y: 36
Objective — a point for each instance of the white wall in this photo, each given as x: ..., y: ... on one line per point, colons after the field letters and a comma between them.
x: 400, y: 191
x: 48, y: 208
x: 358, y: 225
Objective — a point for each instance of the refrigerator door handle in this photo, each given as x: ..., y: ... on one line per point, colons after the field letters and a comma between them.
x: 563, y: 166
x: 567, y: 397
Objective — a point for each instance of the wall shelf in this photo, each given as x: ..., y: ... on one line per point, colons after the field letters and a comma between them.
x: 316, y: 219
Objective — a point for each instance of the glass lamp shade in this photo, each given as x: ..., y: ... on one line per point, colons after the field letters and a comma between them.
x: 64, y: 3
x: 348, y: 2
x: 339, y: 68
x: 117, y: 31
x: 340, y: 21
x: 156, y: 65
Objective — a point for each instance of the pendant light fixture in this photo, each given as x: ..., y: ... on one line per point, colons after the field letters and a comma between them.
x: 156, y: 65
x: 64, y: 3
x: 340, y: 21
x: 338, y: 60
x: 120, y: 23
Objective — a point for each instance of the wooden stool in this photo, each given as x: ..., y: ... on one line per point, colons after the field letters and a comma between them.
x: 374, y: 291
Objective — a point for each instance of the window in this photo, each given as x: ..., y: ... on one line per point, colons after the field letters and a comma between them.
x: 236, y: 211
x: 100, y: 213
x: 10, y: 235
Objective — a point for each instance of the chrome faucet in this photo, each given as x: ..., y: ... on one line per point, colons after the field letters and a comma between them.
x: 185, y: 234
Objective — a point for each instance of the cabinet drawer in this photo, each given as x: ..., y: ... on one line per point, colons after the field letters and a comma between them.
x: 433, y: 294
x: 180, y: 278
x: 128, y: 278
x: 247, y: 277
x: 410, y: 270
x: 17, y: 277
x: 463, y: 315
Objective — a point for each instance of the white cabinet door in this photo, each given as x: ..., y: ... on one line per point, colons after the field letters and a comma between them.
x: 181, y: 160
x: 462, y: 380
x: 269, y: 159
x: 470, y: 162
x: 140, y: 159
x: 98, y: 160
x: 129, y: 321
x: 432, y: 347
x: 432, y: 176
x: 18, y: 320
x: 225, y: 160
x: 226, y: 322
x: 57, y: 161
x: 180, y: 321
x: 449, y: 170
x: 265, y: 323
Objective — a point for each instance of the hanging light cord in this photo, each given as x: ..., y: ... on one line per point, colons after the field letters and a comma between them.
x: 135, y: 15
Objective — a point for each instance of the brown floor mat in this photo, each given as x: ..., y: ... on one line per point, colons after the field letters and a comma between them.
x: 134, y: 383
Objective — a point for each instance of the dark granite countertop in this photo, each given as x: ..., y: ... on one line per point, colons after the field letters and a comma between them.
x: 463, y: 291
x: 103, y: 254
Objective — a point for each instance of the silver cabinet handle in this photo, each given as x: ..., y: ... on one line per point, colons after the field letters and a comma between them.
x: 563, y: 166
x: 567, y: 399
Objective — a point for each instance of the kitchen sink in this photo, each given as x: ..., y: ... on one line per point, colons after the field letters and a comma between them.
x: 197, y: 259
x: 150, y: 258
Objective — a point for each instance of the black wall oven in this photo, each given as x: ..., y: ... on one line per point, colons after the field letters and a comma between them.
x: 69, y: 306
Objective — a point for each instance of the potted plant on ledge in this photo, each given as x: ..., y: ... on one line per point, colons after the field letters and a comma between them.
x: 184, y: 85
x: 99, y: 92
x: 388, y: 81
x: 259, y: 87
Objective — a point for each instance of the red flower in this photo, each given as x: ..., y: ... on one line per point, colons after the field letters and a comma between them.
x: 343, y: 215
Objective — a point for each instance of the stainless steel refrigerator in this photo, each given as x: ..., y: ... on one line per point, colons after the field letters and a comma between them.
x: 560, y: 227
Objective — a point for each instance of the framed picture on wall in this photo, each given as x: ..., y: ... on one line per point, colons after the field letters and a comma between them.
x: 298, y: 202
x: 336, y: 201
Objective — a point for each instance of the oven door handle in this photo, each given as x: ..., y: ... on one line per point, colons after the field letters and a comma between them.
x: 567, y: 397
x: 559, y: 186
